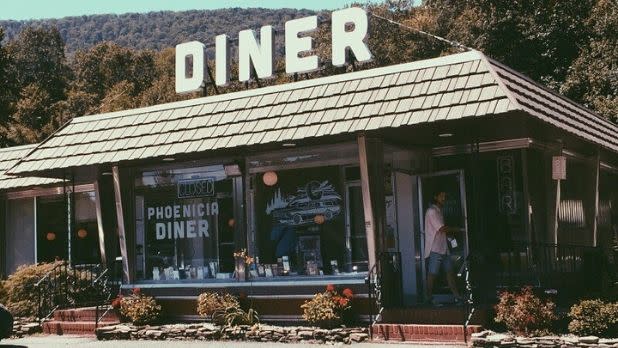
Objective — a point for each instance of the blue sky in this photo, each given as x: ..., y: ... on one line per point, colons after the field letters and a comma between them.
x: 35, y: 9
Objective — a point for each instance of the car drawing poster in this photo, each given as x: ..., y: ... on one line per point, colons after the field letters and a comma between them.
x: 311, y: 200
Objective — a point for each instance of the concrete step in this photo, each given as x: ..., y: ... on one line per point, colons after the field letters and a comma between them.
x: 86, y: 314
x: 422, y: 332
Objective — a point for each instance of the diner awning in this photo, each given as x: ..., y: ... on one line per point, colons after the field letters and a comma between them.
x: 458, y: 86
x: 8, y: 158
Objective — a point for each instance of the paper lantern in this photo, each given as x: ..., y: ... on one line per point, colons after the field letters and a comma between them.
x: 270, y: 178
x: 50, y: 236
x: 231, y: 222
x: 319, y: 219
x: 82, y: 233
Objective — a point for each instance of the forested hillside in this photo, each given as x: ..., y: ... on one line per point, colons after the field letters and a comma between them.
x: 55, y: 70
x: 155, y: 30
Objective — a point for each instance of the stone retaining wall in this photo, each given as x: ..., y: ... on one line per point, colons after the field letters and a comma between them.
x: 492, y: 339
x: 208, y: 331
x: 24, y: 327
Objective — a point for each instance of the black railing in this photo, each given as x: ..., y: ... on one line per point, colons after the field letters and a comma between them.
x: 72, y: 286
x: 567, y: 268
x: 384, y: 284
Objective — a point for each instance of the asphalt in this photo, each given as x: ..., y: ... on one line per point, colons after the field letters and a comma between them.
x: 75, y: 341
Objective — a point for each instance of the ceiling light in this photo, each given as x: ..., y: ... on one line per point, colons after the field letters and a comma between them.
x: 289, y: 144
x: 168, y: 159
x: 445, y: 135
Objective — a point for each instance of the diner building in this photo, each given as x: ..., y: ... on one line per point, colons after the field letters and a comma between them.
x: 326, y: 181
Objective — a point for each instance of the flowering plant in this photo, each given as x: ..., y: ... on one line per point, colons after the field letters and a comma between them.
x: 140, y: 309
x: 242, y: 254
x: 524, y: 313
x: 328, y: 309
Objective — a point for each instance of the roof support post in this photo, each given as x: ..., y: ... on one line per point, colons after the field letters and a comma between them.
x: 596, y: 162
x: 100, y: 226
x: 122, y: 235
x: 371, y: 160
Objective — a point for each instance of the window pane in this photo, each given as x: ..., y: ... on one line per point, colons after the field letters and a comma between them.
x: 301, y: 217
x: 19, y: 233
x: 85, y: 237
x: 180, y: 216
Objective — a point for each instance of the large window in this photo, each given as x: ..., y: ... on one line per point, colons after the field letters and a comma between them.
x: 20, y: 242
x: 301, y: 217
x: 184, y: 224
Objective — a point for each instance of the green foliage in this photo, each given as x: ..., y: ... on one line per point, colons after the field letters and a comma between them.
x: 3, y: 292
x: 233, y: 315
x: 210, y: 302
x: 594, y: 317
x: 157, y: 30
x: 524, y: 313
x: 140, y: 309
x: 225, y: 309
x: 21, y: 294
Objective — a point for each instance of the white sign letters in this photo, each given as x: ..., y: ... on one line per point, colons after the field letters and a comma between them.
x: 258, y: 55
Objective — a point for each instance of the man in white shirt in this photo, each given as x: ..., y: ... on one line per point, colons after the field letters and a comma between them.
x: 436, y: 249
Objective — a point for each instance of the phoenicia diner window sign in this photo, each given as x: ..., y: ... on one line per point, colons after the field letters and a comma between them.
x: 260, y: 54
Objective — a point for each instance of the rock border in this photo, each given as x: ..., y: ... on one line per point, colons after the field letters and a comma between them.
x: 255, y: 333
x: 25, y: 327
x: 489, y: 338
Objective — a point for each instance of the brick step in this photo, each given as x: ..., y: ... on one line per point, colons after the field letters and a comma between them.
x: 450, y: 315
x: 422, y: 332
x: 82, y: 328
x: 85, y: 314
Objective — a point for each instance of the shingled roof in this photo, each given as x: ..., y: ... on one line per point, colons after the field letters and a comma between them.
x: 451, y: 87
x: 8, y: 158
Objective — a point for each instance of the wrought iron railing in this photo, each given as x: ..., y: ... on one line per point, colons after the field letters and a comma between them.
x: 384, y: 285
x: 71, y: 286
x: 570, y: 268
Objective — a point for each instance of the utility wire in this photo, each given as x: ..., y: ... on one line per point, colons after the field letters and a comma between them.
x: 455, y: 44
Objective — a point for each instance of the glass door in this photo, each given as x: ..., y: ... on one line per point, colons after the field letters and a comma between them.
x: 356, y: 238
x: 454, y: 212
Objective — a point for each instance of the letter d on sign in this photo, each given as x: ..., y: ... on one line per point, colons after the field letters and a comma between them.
x: 194, y: 81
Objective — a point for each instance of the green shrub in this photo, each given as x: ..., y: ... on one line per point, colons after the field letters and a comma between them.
x: 327, y: 309
x: 140, y: 309
x: 225, y: 309
x: 210, y: 302
x: 3, y: 293
x: 21, y: 299
x: 594, y: 317
x: 524, y: 313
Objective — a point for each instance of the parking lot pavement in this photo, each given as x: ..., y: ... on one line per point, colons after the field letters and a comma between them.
x: 75, y: 341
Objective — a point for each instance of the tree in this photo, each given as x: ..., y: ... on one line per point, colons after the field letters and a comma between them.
x: 38, y: 57
x: 32, y: 113
x: 7, y: 81
x: 593, y: 77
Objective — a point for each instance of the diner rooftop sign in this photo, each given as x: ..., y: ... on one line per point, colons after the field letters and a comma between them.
x: 260, y: 54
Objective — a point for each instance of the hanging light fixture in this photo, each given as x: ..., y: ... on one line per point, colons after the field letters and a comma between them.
x: 319, y: 219
x: 82, y: 233
x: 50, y: 236
x: 270, y: 178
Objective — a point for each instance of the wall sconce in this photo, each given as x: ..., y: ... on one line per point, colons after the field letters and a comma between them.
x: 50, y: 236
x: 270, y: 178
x: 82, y: 233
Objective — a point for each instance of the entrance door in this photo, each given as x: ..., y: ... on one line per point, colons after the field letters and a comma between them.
x: 454, y: 211
x: 51, y: 220
x: 356, y: 239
